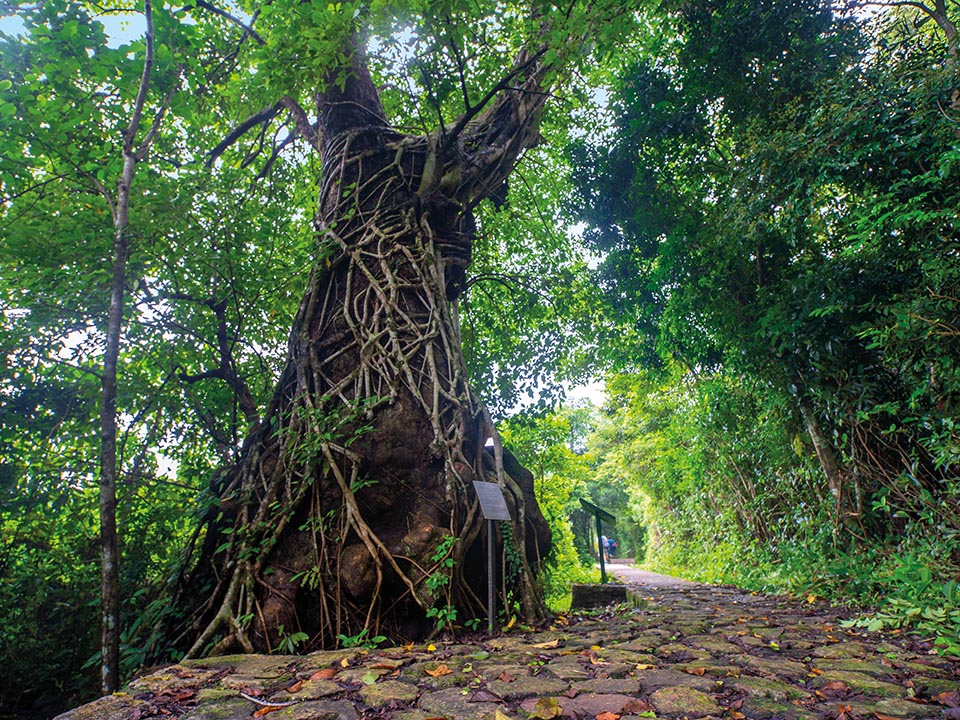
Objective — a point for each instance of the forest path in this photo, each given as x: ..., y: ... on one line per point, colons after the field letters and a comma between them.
x: 681, y: 650
x: 625, y: 573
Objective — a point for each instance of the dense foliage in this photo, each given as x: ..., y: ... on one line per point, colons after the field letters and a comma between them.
x: 794, y: 263
x: 768, y: 207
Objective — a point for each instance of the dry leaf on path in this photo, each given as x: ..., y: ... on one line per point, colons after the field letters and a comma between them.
x: 506, y: 677
x: 608, y: 716
x: 546, y: 709
x: 387, y: 665
x: 635, y: 707
x: 325, y: 674
x: 547, y: 645
x: 268, y: 709
x: 439, y: 671
x: 295, y: 687
x: 698, y: 671
x: 950, y: 699
x: 484, y: 695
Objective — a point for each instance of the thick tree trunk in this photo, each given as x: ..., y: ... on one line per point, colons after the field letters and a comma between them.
x: 352, y: 510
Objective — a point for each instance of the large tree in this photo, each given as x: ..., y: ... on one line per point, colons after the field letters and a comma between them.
x: 351, y: 509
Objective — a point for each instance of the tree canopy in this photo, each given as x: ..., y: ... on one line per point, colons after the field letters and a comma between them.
x: 745, y: 210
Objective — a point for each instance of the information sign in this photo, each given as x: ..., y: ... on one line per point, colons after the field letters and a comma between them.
x: 492, y: 503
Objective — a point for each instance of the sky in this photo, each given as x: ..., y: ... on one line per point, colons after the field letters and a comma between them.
x: 120, y: 27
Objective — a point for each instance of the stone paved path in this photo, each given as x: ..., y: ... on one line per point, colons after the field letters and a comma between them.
x: 682, y: 651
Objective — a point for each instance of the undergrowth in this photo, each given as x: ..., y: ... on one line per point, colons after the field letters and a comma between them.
x: 910, y: 586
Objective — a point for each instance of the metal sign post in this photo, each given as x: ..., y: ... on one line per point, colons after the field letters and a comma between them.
x: 494, y: 507
x: 599, y: 515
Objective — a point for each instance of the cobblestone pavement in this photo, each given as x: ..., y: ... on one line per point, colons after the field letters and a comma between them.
x: 681, y: 651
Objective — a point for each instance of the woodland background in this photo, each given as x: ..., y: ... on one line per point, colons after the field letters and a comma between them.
x: 745, y: 219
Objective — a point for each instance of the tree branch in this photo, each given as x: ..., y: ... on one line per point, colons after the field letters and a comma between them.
x: 247, y: 29
x: 309, y: 131
x: 264, y: 116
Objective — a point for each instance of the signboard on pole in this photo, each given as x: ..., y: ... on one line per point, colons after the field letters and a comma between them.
x: 494, y: 507
x: 492, y: 503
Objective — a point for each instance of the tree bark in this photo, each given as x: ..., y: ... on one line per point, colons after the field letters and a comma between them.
x: 828, y: 460
x: 120, y: 210
x: 109, y: 562
x: 352, y: 513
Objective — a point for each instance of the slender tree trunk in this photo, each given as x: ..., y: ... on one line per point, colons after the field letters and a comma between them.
x: 110, y: 561
x: 827, y: 457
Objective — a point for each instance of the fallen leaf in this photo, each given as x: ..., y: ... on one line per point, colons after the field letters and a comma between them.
x: 737, y: 715
x: 608, y: 716
x: 438, y: 671
x: 881, y: 716
x: 547, y: 645
x: 546, y: 709
x: 178, y: 695
x: 698, y: 671
x: 835, y: 686
x: 811, y: 599
x: 431, y: 647
x: 387, y: 665
x: 369, y: 678
x: 498, y: 715
x: 814, y: 671
x: 268, y: 709
x: 644, y: 666
x: 635, y: 707
x: 571, y: 693
x: 511, y: 623
x: 296, y: 687
x: 344, y: 663
x: 950, y: 699
x: 407, y: 648
x: 484, y: 695
x: 506, y: 677
x: 325, y: 674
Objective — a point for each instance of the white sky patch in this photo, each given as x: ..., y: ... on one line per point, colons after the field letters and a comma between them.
x: 595, y: 392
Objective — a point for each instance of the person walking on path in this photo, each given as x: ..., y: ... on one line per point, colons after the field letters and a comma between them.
x: 605, y: 547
